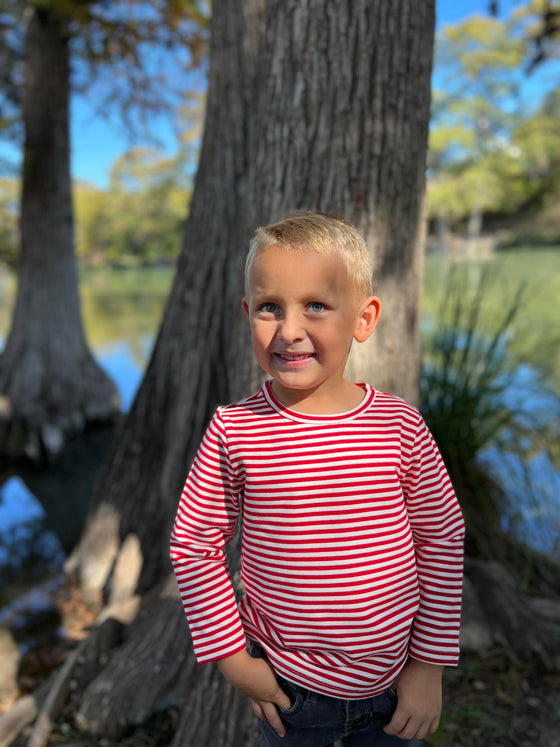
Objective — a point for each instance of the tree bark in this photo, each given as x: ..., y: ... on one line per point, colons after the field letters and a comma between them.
x: 314, y: 105
x: 50, y: 385
x: 154, y: 670
x: 342, y: 121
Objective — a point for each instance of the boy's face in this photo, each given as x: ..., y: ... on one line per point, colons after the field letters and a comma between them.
x: 304, y: 313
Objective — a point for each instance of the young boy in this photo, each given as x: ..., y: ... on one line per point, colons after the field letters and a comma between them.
x: 351, y: 533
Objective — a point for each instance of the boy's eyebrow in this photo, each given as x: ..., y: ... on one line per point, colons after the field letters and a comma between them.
x: 315, y: 295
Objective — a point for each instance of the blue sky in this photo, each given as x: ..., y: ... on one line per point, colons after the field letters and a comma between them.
x: 97, y: 143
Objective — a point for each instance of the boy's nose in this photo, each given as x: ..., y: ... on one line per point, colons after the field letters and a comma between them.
x: 290, y: 329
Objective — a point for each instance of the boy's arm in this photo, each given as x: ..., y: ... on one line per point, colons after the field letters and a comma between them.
x: 205, y: 523
x: 438, y: 533
x: 255, y: 679
x: 419, y: 706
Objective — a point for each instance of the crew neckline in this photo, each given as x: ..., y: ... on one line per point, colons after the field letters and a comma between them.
x: 369, y: 395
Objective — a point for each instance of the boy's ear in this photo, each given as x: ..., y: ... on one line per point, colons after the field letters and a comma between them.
x: 245, y: 305
x: 368, y: 318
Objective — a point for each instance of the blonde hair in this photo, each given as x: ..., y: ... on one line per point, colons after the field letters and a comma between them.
x: 321, y: 233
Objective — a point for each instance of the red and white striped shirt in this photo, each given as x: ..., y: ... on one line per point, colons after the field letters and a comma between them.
x: 352, y: 542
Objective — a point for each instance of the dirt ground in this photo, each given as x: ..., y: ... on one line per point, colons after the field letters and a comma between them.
x: 491, y: 703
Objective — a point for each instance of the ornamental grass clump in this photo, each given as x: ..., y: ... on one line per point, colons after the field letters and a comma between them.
x: 471, y: 403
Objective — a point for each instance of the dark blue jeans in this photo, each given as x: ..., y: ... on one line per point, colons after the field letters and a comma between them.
x: 315, y: 720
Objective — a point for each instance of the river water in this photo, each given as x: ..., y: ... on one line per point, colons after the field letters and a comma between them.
x: 42, y: 510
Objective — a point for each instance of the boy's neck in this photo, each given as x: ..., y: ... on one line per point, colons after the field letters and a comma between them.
x: 320, y: 401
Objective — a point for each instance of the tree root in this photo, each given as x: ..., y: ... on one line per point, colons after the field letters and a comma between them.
x: 84, y: 662
x: 42, y: 408
x: 216, y: 715
x: 154, y: 670
x: 149, y: 672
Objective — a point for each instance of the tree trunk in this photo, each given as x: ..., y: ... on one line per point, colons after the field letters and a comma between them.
x: 152, y: 670
x: 443, y: 235
x: 342, y: 125
x: 50, y: 385
x: 474, y: 229
x: 201, y: 354
x: 320, y: 106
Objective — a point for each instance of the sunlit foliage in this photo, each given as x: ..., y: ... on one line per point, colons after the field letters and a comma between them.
x: 489, y: 152
x: 139, y: 219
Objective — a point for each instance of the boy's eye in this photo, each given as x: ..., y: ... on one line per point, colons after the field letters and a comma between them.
x: 315, y: 307
x: 268, y: 308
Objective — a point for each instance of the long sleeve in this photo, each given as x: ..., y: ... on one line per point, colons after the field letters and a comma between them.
x: 205, y: 522
x: 438, y: 534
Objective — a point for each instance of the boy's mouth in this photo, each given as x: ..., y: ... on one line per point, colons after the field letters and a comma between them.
x: 294, y: 356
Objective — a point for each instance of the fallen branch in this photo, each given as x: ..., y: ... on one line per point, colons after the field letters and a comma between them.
x: 22, y: 713
x: 54, y: 701
x: 14, y: 721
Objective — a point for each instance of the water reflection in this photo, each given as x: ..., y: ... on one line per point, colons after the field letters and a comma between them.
x: 31, y: 555
x: 22, y: 522
x: 125, y: 366
x: 534, y: 488
x: 532, y: 483
x: 42, y: 509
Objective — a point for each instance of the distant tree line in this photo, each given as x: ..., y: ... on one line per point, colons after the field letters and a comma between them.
x: 137, y: 220
x: 138, y: 63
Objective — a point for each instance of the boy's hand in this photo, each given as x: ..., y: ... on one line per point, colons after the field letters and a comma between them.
x: 255, y: 679
x: 419, y: 708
